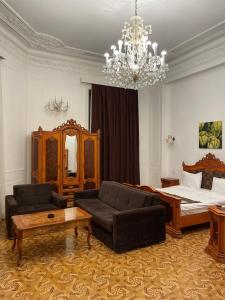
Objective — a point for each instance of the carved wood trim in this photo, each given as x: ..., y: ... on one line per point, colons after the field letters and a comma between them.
x: 71, y: 123
x: 208, y: 163
x: 68, y: 185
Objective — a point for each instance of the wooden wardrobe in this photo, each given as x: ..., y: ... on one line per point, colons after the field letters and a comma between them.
x: 67, y: 156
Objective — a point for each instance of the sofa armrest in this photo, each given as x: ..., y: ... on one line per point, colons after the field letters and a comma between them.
x: 88, y: 194
x: 58, y: 200
x: 138, y: 227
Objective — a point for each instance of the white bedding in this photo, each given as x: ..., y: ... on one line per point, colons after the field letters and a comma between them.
x: 205, y: 197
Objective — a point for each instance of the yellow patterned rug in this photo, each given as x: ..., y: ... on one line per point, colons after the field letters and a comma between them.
x: 57, y: 266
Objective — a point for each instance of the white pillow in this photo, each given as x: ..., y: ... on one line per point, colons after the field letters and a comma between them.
x: 218, y: 185
x: 192, y: 180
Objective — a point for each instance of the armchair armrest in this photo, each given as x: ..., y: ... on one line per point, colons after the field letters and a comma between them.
x: 138, y: 227
x: 10, y: 210
x: 10, y: 203
x: 58, y: 200
x: 88, y: 194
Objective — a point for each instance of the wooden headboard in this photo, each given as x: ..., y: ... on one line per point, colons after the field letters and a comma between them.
x: 207, y: 163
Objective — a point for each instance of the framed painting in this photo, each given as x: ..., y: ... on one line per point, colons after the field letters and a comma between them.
x: 210, y: 135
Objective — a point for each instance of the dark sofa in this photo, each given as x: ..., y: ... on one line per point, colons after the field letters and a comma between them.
x: 29, y: 198
x: 123, y: 218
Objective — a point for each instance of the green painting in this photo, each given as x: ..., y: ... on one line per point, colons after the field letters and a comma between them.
x: 210, y: 135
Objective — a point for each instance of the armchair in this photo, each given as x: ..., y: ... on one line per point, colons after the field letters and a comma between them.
x: 29, y: 198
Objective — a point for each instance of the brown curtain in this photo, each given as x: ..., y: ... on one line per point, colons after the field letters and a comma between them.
x: 115, y: 113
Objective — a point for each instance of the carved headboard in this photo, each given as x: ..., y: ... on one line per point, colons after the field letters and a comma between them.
x: 210, y: 166
x: 207, y: 163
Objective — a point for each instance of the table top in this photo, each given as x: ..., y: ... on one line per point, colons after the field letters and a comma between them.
x: 41, y: 219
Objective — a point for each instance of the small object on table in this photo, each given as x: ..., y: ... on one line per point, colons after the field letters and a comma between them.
x: 51, y: 216
x: 216, y: 245
x: 169, y: 181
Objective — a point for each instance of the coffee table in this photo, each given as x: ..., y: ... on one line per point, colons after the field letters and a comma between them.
x: 49, y: 221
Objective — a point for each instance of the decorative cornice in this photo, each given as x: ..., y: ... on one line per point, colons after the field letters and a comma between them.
x: 203, y: 52
x: 11, y: 45
x: 59, y: 62
x: 40, y: 41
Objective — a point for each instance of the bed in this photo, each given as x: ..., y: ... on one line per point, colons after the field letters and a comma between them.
x: 181, y: 213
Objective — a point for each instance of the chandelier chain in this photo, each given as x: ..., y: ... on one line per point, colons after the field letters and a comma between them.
x: 136, y: 10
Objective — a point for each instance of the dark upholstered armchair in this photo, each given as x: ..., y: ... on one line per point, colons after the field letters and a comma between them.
x: 29, y: 198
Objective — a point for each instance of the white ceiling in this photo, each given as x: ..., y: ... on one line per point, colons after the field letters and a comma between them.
x: 94, y: 25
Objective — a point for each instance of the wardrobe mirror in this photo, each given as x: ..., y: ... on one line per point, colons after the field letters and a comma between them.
x: 71, y: 156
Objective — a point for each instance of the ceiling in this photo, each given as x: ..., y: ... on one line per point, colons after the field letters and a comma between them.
x: 94, y: 25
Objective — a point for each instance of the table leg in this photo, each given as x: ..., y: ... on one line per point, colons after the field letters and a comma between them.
x: 19, y: 247
x: 89, y: 235
x: 15, y: 238
x: 76, y: 233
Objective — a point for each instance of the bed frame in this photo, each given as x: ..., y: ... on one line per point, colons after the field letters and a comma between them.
x: 175, y: 222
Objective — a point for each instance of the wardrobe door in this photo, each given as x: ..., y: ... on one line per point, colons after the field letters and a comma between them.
x: 52, y: 158
x: 90, y: 161
x: 36, y: 165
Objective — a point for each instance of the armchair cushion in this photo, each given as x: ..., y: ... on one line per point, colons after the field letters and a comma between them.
x: 33, y: 194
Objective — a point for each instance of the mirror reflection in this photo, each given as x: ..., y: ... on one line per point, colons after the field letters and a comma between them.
x: 71, y: 156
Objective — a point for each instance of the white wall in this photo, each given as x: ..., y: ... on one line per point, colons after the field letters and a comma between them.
x: 189, y: 101
x: 13, y: 134
x: 2, y: 187
x: 29, y: 80
x: 150, y: 120
x: 44, y: 84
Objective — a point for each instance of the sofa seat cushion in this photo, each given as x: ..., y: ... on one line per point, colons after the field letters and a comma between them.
x: 122, y: 197
x: 35, y: 208
x: 102, y: 213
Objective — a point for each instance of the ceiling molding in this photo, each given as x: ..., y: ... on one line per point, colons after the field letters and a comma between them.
x: 40, y: 41
x: 204, y: 51
x: 207, y: 56
x: 69, y: 64
x: 204, y: 38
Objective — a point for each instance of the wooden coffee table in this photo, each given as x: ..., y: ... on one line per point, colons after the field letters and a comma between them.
x: 49, y: 221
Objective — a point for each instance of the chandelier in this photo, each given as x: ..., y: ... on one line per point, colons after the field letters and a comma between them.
x: 135, y: 63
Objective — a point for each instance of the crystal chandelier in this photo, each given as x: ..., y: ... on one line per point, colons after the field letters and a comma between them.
x: 135, y: 63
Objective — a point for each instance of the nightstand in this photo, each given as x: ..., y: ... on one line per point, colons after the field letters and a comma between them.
x: 168, y: 181
x: 216, y: 245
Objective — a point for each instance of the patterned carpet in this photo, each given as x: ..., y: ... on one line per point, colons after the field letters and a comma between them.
x: 57, y: 266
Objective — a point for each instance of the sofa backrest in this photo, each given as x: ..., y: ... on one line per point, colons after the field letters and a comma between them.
x: 122, y: 197
x: 33, y: 194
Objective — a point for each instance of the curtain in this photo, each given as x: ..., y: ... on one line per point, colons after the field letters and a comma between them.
x: 115, y: 113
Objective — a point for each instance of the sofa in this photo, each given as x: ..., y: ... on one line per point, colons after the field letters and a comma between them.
x: 30, y: 198
x: 123, y: 218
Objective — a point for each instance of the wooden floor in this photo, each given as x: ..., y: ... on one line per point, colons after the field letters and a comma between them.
x: 58, y: 266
